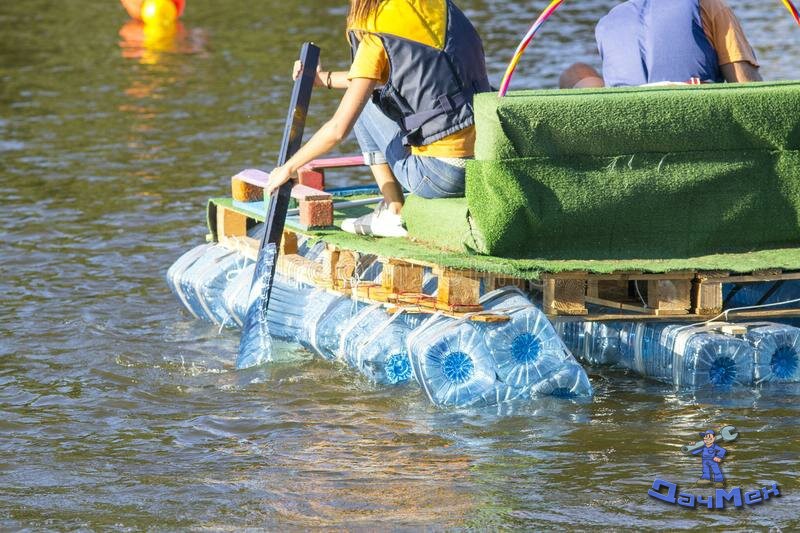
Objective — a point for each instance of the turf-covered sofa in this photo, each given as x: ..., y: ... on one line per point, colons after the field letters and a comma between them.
x: 658, y: 172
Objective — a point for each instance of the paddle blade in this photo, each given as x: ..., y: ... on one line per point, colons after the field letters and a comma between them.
x: 255, y: 346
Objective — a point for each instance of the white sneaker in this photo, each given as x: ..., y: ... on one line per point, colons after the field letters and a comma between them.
x: 380, y: 223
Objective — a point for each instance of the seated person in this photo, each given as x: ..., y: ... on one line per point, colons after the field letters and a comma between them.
x: 653, y: 41
x: 416, y: 131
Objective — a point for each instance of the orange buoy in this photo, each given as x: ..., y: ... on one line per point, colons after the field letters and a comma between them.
x: 134, y: 7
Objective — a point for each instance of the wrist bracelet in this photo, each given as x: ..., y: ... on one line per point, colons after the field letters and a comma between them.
x: 328, y: 82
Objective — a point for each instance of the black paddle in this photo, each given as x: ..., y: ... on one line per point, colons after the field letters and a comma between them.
x: 255, y: 346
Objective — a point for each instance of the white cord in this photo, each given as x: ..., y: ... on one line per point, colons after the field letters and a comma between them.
x: 725, y: 313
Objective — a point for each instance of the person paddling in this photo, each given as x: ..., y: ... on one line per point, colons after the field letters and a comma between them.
x: 416, y: 130
x: 643, y: 42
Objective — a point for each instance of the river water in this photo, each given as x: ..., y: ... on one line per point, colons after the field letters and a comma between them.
x: 118, y: 411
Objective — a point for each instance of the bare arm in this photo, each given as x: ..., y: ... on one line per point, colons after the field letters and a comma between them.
x: 338, y: 79
x: 740, y: 72
x: 329, y: 135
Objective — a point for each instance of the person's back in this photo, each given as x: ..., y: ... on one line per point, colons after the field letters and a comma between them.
x: 655, y: 41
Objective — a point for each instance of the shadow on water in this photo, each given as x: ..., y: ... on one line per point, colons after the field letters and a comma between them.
x: 118, y: 411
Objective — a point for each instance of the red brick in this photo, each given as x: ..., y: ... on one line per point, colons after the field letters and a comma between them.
x: 316, y: 213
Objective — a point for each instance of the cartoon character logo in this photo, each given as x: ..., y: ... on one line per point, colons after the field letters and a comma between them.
x: 712, y: 454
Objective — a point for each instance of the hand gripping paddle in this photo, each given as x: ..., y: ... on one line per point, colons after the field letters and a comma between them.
x: 255, y: 346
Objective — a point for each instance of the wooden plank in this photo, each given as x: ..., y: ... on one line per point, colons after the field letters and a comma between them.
x: 621, y: 275
x: 622, y: 306
x: 400, y: 277
x: 707, y: 297
x: 336, y: 162
x: 754, y: 278
x: 253, y: 176
x: 614, y: 317
x: 456, y: 288
x: 670, y: 296
x: 299, y: 268
x: 288, y: 243
x: 343, y: 267
x: 231, y: 223
x: 565, y: 296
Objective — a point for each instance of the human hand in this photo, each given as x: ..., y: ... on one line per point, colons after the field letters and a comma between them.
x: 717, y: 460
x: 278, y: 177
x: 298, y: 68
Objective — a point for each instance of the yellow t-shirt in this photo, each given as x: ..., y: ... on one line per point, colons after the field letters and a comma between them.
x: 424, y: 21
x: 725, y: 33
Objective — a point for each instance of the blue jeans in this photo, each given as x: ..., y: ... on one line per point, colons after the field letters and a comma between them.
x: 381, y: 141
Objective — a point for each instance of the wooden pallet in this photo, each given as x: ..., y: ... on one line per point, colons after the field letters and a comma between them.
x: 627, y: 295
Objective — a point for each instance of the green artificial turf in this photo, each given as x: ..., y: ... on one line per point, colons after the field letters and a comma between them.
x: 788, y: 259
x: 619, y: 121
x: 635, y: 172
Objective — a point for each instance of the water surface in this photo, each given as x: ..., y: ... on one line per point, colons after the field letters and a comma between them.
x: 118, y: 411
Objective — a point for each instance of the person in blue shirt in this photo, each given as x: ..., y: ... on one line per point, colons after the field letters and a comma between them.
x: 643, y: 42
x: 712, y: 455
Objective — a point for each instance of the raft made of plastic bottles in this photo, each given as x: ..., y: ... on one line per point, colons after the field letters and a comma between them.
x: 457, y: 362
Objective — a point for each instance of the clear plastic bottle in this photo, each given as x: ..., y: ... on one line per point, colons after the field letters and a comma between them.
x: 568, y: 382
x: 703, y: 358
x: 576, y: 336
x: 777, y: 352
x: 603, y: 346
x: 236, y: 292
x: 526, y: 349
x: 505, y: 298
x: 205, y: 281
x: 383, y: 355
x: 176, y: 271
x: 640, y: 350
x: 359, y: 328
x: 326, y: 318
x: 451, y: 362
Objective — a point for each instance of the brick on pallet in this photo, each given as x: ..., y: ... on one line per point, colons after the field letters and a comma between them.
x: 248, y: 185
x: 311, y: 178
x: 316, y: 213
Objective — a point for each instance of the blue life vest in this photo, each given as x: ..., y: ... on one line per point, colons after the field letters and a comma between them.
x: 650, y: 41
x: 430, y: 90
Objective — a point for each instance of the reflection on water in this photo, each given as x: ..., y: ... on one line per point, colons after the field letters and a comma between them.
x: 148, y: 43
x: 119, y: 411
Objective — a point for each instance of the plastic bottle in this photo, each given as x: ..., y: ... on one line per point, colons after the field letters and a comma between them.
x: 360, y: 327
x: 451, y: 362
x: 526, y: 349
x: 286, y: 312
x: 640, y: 350
x: 235, y: 295
x: 569, y: 382
x: 576, y: 337
x: 703, y: 358
x: 603, y: 346
x: 377, y: 347
x: 505, y: 298
x: 777, y: 352
x: 204, y: 282
x: 176, y: 271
